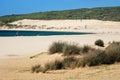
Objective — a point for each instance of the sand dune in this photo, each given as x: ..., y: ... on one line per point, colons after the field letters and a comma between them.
x: 15, y: 51
x: 70, y: 23
x: 84, y: 25
x: 19, y: 69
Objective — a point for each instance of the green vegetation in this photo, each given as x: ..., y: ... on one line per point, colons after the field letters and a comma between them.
x: 99, y: 42
x: 101, y: 13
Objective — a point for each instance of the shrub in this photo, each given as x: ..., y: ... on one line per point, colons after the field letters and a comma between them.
x: 94, y: 58
x: 71, y: 49
x: 99, y: 42
x: 36, y: 68
x: 56, y: 47
x: 113, y: 52
x: 86, y: 49
x: 56, y: 65
x: 81, y: 62
x: 70, y: 62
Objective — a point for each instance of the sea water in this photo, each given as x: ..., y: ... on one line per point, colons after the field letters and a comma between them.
x: 5, y: 33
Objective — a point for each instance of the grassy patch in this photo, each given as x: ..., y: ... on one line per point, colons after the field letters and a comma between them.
x: 57, y: 47
x: 93, y: 57
x: 65, y: 48
x: 86, y: 49
x: 71, y: 49
x: 70, y: 62
x: 56, y: 65
x: 36, y: 69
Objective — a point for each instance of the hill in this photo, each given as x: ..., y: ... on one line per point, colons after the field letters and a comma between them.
x: 100, y: 13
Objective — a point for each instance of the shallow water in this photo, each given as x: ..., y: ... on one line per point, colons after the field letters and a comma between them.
x: 5, y: 33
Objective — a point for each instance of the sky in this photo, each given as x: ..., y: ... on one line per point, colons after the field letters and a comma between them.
x: 8, y: 7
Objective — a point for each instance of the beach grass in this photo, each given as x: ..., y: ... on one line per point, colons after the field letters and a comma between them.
x: 94, y: 57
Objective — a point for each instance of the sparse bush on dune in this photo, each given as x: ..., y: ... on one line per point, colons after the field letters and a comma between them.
x: 70, y: 62
x: 97, y: 57
x: 93, y: 57
x: 57, y: 47
x: 86, y: 49
x: 113, y: 52
x: 65, y: 48
x: 55, y: 65
x: 66, y: 63
x: 99, y: 42
x: 36, y: 68
x: 68, y: 48
x: 71, y: 49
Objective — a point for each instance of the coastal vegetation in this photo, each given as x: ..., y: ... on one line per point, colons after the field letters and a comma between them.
x: 57, y: 47
x: 100, y: 13
x: 36, y: 68
x: 85, y: 56
x: 99, y: 42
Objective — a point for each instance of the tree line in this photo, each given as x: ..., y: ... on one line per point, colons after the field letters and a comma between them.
x: 100, y: 13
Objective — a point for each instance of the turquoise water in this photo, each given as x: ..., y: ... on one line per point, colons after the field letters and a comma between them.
x: 5, y: 33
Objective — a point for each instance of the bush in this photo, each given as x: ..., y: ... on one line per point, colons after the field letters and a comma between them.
x: 36, y: 68
x: 99, y: 42
x: 56, y: 65
x: 57, y: 47
x: 86, y: 49
x: 113, y: 52
x: 70, y: 62
x: 71, y: 49
x: 94, y: 58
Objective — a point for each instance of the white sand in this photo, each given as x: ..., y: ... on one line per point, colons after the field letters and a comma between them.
x: 96, y: 24
x: 26, y: 46
x: 18, y: 68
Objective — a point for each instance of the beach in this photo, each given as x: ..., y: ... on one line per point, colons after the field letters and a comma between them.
x: 108, y: 31
x: 28, y: 46
x: 15, y: 52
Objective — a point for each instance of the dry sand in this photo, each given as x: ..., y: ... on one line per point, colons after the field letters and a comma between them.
x: 80, y: 24
x: 15, y: 51
x: 96, y: 26
x: 26, y: 46
x: 19, y: 69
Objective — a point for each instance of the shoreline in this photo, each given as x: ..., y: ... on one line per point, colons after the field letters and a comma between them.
x: 22, y: 46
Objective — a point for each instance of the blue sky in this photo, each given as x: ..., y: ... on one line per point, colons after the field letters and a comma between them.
x: 8, y: 7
